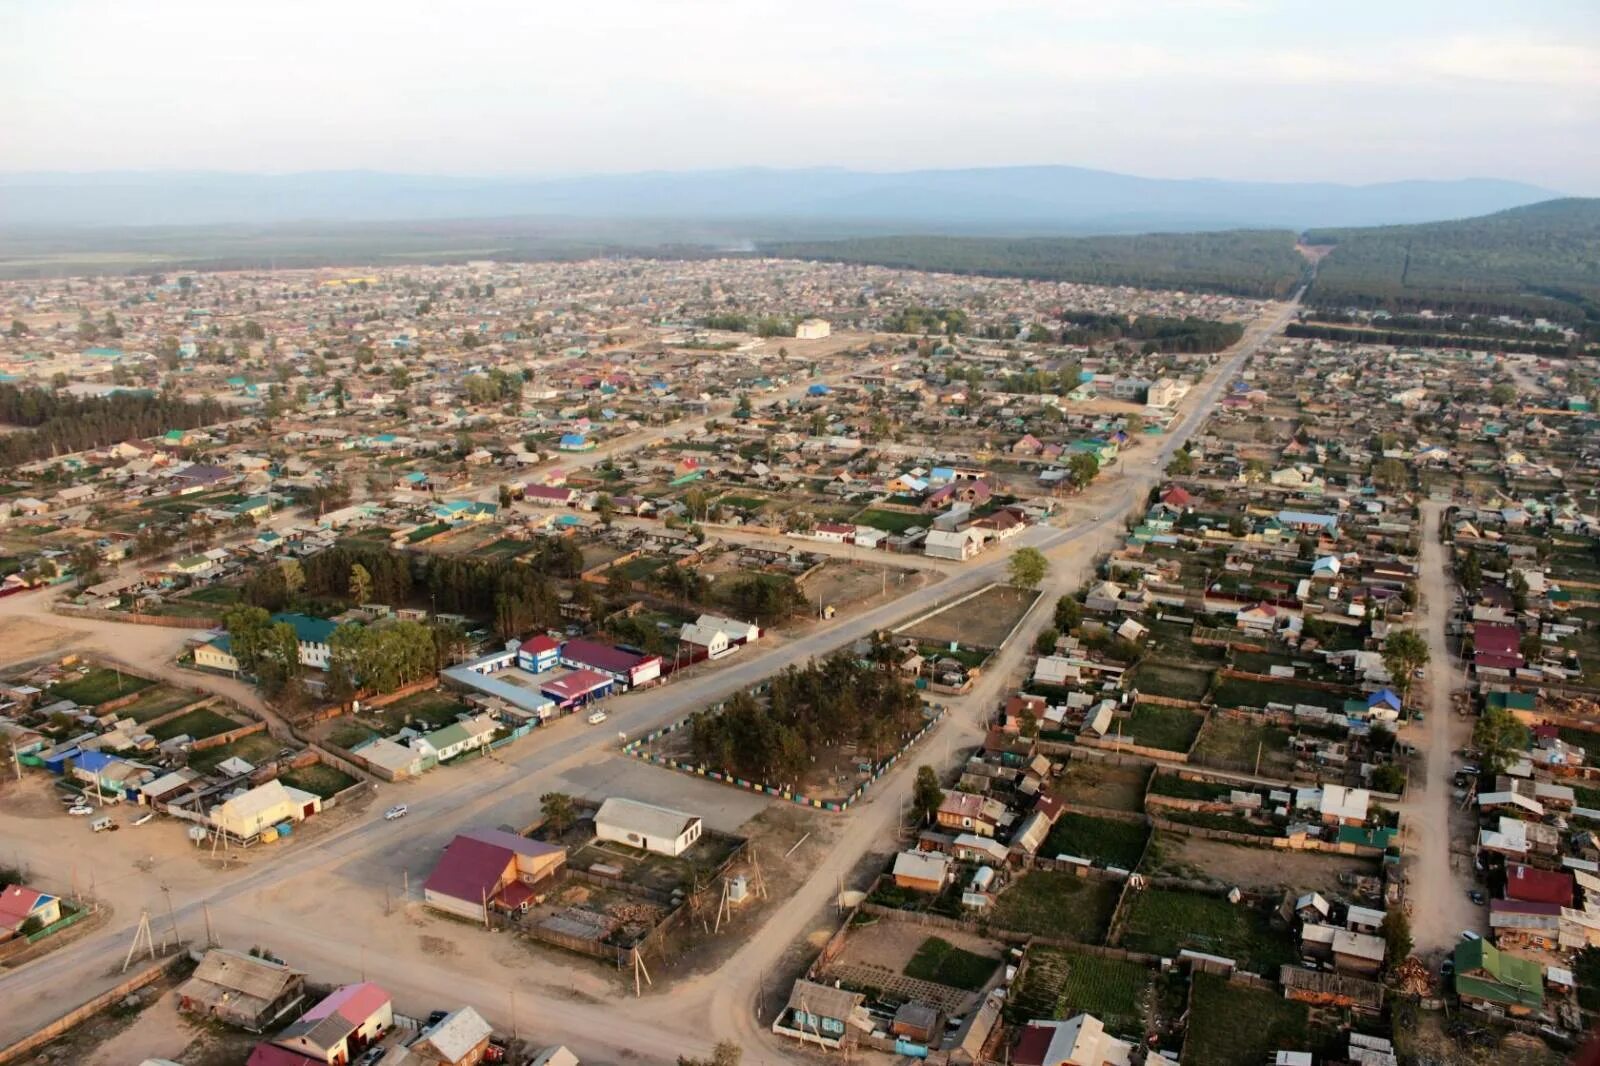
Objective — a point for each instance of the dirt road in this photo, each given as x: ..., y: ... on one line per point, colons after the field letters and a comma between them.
x: 1438, y: 878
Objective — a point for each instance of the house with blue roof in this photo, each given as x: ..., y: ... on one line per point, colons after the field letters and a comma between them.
x: 461, y: 512
x: 1307, y: 522
x: 575, y: 442
x: 1384, y: 699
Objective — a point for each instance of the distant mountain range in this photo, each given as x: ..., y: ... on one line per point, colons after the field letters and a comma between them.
x: 1047, y: 200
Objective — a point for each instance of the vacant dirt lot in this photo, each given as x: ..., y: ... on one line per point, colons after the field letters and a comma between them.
x: 28, y: 638
x: 844, y: 585
x: 983, y: 621
x: 1258, y: 869
x: 1119, y: 788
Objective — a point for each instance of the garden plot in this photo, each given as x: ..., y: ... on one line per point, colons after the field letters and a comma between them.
x: 255, y: 749
x: 1167, y: 728
x: 1242, y: 692
x: 654, y: 872
x: 1164, y: 921
x: 1057, y: 904
x: 1106, y: 841
x: 1171, y: 681
x: 984, y: 620
x: 98, y: 685
x: 196, y: 725
x: 1231, y: 1025
x: 1240, y: 744
x: 1088, y: 782
x: 156, y: 701
x: 319, y: 778
x: 901, y: 961
x: 1058, y: 983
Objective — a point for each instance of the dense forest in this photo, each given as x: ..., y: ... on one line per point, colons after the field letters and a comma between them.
x: 1260, y: 263
x: 60, y: 423
x: 808, y: 710
x: 1403, y: 338
x: 1158, y: 333
x: 1543, y: 260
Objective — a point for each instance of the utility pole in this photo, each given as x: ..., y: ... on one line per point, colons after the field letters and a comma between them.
x: 171, y: 916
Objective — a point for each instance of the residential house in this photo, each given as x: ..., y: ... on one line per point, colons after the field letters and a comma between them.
x: 20, y: 905
x: 646, y: 826
x: 971, y: 813
x: 460, y: 1038
x: 823, y: 1015
x: 490, y: 868
x: 339, y: 1027
x: 456, y: 739
x: 241, y: 990
x: 1079, y: 1041
x: 248, y: 814
x: 922, y: 871
x: 1489, y: 979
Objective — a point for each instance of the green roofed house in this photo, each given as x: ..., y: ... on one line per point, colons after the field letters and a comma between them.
x: 1489, y: 979
x: 1380, y: 837
x: 1513, y: 701
x: 312, y: 635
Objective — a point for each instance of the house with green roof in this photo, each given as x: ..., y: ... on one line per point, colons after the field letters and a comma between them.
x: 1489, y: 979
x: 312, y: 635
x: 1513, y: 701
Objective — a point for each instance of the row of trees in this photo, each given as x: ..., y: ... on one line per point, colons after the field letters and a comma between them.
x: 379, y: 658
x: 1157, y: 333
x: 59, y: 423
x: 809, y: 711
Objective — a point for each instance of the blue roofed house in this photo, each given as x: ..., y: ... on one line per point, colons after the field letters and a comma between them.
x: 575, y: 442
x: 461, y: 512
x: 1308, y: 522
x: 1384, y: 698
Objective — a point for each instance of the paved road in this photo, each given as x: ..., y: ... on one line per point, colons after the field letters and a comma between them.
x: 693, y: 1014
x: 1438, y: 880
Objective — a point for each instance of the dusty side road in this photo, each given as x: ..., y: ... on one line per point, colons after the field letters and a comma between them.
x: 1439, y: 878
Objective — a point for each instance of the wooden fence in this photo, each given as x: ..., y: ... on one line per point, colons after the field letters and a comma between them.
x: 229, y: 737
x: 38, y: 1039
x: 136, y: 618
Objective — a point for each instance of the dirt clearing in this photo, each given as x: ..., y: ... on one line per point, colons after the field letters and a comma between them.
x: 1257, y: 869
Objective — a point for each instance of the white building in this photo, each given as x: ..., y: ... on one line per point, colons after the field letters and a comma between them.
x: 812, y: 329
x: 952, y: 544
x: 646, y: 826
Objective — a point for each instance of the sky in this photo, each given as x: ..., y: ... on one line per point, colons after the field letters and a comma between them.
x: 1349, y: 91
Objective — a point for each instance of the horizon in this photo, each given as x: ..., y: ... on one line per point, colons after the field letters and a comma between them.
x: 1234, y: 90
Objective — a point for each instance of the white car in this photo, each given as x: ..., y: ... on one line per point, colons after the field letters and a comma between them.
x: 596, y: 718
x: 1468, y: 934
x: 81, y: 810
x: 397, y: 811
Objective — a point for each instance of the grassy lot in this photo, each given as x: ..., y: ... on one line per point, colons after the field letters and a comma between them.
x: 1163, y: 921
x: 1168, y: 728
x: 1233, y: 743
x: 1096, y: 784
x: 1237, y: 692
x: 1104, y: 840
x: 98, y: 686
x: 743, y: 503
x: 640, y: 568
x: 889, y: 521
x: 943, y: 963
x: 1234, y: 1026
x: 1051, y: 903
x: 196, y: 725
x: 1059, y: 983
x: 434, y: 709
x: 502, y: 549
x: 320, y: 778
x: 157, y: 701
x: 1172, y: 681
x: 347, y: 735
x: 223, y: 595
x: 255, y: 749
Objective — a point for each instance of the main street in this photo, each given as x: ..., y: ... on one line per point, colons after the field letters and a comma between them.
x: 286, y: 900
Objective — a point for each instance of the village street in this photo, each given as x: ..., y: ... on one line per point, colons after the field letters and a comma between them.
x: 1439, y: 875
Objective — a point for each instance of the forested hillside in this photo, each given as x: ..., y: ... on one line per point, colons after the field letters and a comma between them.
x: 1260, y: 263
x: 1542, y: 259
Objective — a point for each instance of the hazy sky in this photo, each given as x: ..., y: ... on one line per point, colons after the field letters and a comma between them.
x: 1348, y: 90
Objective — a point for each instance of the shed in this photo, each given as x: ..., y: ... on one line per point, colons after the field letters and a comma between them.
x: 646, y: 826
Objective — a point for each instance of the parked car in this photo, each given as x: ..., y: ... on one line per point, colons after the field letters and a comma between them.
x: 1448, y: 968
x: 81, y: 810
x: 597, y: 717
x: 1468, y: 934
x: 1476, y: 897
x: 399, y: 810
x: 103, y: 825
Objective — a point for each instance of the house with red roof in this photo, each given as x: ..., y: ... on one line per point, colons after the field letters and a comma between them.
x: 19, y: 903
x: 333, y: 1032
x: 485, y: 869
x: 549, y: 495
x: 1176, y: 498
x: 577, y: 688
x: 627, y: 668
x: 1529, y: 884
x: 1496, y: 649
x: 538, y: 654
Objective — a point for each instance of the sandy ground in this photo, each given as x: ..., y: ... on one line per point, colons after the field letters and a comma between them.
x: 159, y: 1032
x: 1439, y: 876
x: 1261, y: 869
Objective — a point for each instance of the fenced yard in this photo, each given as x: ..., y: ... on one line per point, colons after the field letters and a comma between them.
x: 1235, y: 743
x: 197, y: 725
x: 320, y: 778
x: 99, y: 685
x: 156, y: 701
x: 1102, y: 784
x: 1172, y: 681
x: 1108, y: 841
x: 255, y: 749
x: 1059, y: 983
x: 1230, y: 1025
x: 985, y: 620
x: 1167, y: 728
x: 1057, y: 904
x: 1164, y: 921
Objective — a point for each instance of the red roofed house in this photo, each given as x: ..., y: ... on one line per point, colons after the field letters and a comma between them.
x: 549, y: 495
x: 628, y: 668
x: 335, y: 1030
x: 1079, y: 1041
x: 273, y: 1055
x: 833, y: 532
x: 1496, y: 648
x: 577, y: 688
x: 486, y: 868
x: 538, y: 654
x: 18, y: 904
x: 1177, y: 498
x: 1528, y: 884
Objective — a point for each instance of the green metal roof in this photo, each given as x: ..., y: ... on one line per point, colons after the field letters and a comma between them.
x: 1485, y: 972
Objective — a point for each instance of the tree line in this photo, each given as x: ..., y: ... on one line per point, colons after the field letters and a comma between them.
x: 809, y: 711
x: 1159, y: 333
x: 59, y: 423
x: 1403, y: 338
x: 1256, y: 263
